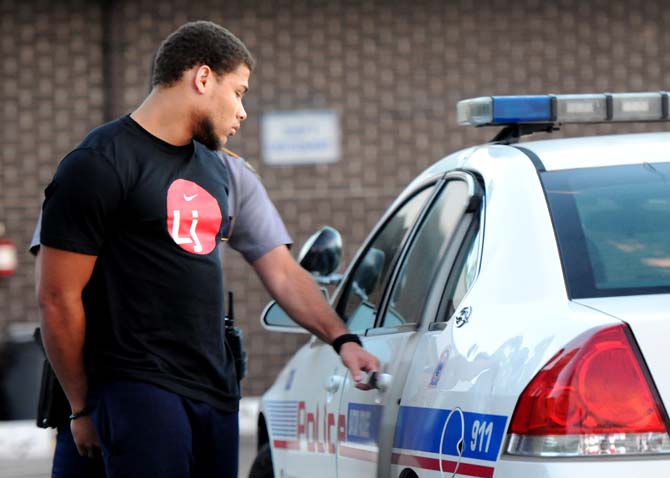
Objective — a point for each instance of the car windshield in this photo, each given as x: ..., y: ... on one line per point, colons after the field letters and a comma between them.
x: 613, y: 228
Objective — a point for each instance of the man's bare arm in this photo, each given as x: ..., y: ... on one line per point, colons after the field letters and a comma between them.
x: 297, y: 293
x: 63, y: 276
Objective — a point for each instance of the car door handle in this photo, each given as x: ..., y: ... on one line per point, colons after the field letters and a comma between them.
x: 376, y: 379
x: 333, y: 384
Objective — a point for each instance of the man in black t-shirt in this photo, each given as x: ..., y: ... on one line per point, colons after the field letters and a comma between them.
x: 131, y: 284
x: 257, y: 230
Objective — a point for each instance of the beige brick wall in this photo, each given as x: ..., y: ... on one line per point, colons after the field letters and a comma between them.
x: 393, y: 70
x: 50, y: 96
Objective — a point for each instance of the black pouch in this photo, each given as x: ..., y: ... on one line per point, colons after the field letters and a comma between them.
x: 236, y: 344
x: 235, y: 340
x: 53, y: 408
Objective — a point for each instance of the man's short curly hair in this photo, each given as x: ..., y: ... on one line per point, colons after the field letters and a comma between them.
x: 198, y: 43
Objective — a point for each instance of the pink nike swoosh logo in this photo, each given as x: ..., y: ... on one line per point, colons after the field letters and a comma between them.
x: 189, y: 198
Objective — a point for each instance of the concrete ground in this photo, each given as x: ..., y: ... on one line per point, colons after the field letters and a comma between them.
x: 26, y: 451
x: 41, y: 467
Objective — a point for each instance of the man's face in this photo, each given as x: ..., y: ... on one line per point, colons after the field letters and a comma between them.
x: 224, y: 113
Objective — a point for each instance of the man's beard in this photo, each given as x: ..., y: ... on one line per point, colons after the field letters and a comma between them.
x: 204, y: 133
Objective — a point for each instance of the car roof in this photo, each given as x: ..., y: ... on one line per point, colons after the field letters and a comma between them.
x: 557, y: 154
x: 594, y: 151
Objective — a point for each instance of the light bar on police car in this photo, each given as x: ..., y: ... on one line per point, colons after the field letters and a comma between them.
x: 563, y: 109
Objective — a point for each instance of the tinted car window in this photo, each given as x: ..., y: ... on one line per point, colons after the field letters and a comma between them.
x: 467, y: 270
x: 612, y: 225
x: 424, y: 258
x: 363, y: 294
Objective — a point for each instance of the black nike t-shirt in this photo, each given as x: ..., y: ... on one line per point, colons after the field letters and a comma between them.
x: 153, y: 214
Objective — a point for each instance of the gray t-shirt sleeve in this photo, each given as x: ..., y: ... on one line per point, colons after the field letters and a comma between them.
x: 35, y: 242
x: 257, y: 226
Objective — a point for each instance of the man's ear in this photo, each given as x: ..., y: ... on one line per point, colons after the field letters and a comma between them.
x: 203, y: 75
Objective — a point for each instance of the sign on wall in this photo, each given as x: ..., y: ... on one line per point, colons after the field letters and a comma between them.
x: 300, y: 137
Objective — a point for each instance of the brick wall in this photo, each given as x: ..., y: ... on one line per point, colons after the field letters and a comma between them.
x: 393, y: 70
x: 50, y: 96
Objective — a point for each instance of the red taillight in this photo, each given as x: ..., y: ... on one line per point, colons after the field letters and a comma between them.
x: 596, y: 385
x: 7, y: 257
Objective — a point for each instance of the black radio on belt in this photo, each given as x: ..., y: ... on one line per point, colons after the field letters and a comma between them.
x: 235, y: 340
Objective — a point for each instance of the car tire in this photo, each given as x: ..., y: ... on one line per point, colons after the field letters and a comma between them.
x: 262, y: 465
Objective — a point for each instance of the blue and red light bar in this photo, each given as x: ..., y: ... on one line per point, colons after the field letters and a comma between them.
x: 563, y: 109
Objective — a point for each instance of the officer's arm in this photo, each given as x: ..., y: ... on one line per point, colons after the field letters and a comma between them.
x: 297, y: 293
x: 63, y: 278
x: 38, y: 272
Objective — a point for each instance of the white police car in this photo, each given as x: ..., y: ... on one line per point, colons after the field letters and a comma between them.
x: 518, y: 297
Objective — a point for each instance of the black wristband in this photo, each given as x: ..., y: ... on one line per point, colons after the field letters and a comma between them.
x: 343, y: 339
x: 84, y: 412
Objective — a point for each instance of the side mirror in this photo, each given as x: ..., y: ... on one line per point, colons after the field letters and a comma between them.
x: 276, y: 319
x: 322, y: 253
x: 368, y: 273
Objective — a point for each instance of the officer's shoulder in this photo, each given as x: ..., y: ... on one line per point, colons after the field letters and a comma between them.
x: 246, y: 163
x: 230, y: 153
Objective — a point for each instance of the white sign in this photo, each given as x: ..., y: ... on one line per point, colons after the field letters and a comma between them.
x: 300, y: 137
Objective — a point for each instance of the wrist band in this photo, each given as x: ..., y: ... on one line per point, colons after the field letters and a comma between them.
x: 343, y: 339
x: 81, y: 413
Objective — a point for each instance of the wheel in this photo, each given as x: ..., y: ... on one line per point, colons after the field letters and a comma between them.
x: 262, y: 465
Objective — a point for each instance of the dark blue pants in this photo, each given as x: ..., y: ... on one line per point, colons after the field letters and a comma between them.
x: 146, y: 431
x: 68, y: 463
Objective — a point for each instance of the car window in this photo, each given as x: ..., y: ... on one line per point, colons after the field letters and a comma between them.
x: 467, y: 270
x: 612, y: 225
x: 364, y: 291
x: 424, y: 258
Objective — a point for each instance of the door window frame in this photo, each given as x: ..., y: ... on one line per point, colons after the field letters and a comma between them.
x: 338, y: 296
x: 475, y: 229
x: 435, y: 293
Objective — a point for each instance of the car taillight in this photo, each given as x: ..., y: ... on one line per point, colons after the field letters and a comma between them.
x: 593, y: 397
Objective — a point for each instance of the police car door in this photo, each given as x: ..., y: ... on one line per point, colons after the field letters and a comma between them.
x: 305, y: 424
x: 410, y: 301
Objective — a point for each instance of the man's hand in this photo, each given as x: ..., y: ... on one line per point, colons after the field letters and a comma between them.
x: 357, y: 359
x: 85, y: 437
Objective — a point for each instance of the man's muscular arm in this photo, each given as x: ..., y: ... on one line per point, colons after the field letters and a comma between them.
x: 63, y: 278
x: 297, y: 293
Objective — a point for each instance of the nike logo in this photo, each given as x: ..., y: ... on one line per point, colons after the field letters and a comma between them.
x: 189, y: 198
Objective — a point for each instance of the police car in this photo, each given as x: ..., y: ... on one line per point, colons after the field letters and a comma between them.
x: 518, y: 297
